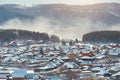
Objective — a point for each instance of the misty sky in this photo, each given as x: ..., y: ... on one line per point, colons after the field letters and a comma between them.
x: 72, y: 2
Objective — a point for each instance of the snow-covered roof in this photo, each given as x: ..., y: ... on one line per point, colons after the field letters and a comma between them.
x: 30, y: 71
x: 113, y: 54
x: 100, y: 55
x: 102, y: 71
x: 70, y: 64
x: 116, y: 74
x: 97, y: 68
x: 28, y: 54
x: 115, y: 68
x: 19, y: 73
x: 86, y: 57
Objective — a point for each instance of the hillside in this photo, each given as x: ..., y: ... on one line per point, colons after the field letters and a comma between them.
x: 106, y: 13
x: 102, y: 36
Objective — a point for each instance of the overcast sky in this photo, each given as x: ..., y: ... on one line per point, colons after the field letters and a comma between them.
x: 71, y: 2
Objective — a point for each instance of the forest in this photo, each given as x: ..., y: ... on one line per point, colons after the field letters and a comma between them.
x: 102, y: 37
x: 7, y: 35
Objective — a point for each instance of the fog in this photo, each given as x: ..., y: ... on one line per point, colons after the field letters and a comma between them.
x: 66, y: 31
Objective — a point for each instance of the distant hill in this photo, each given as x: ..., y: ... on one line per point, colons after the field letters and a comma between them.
x: 12, y: 34
x: 106, y: 13
x: 102, y: 36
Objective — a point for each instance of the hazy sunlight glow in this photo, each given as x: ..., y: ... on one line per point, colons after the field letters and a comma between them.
x: 71, y: 2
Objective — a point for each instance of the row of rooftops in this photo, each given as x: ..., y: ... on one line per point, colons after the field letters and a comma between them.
x: 97, y: 59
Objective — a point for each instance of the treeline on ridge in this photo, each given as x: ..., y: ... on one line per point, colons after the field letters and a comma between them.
x: 13, y: 34
x: 102, y: 36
